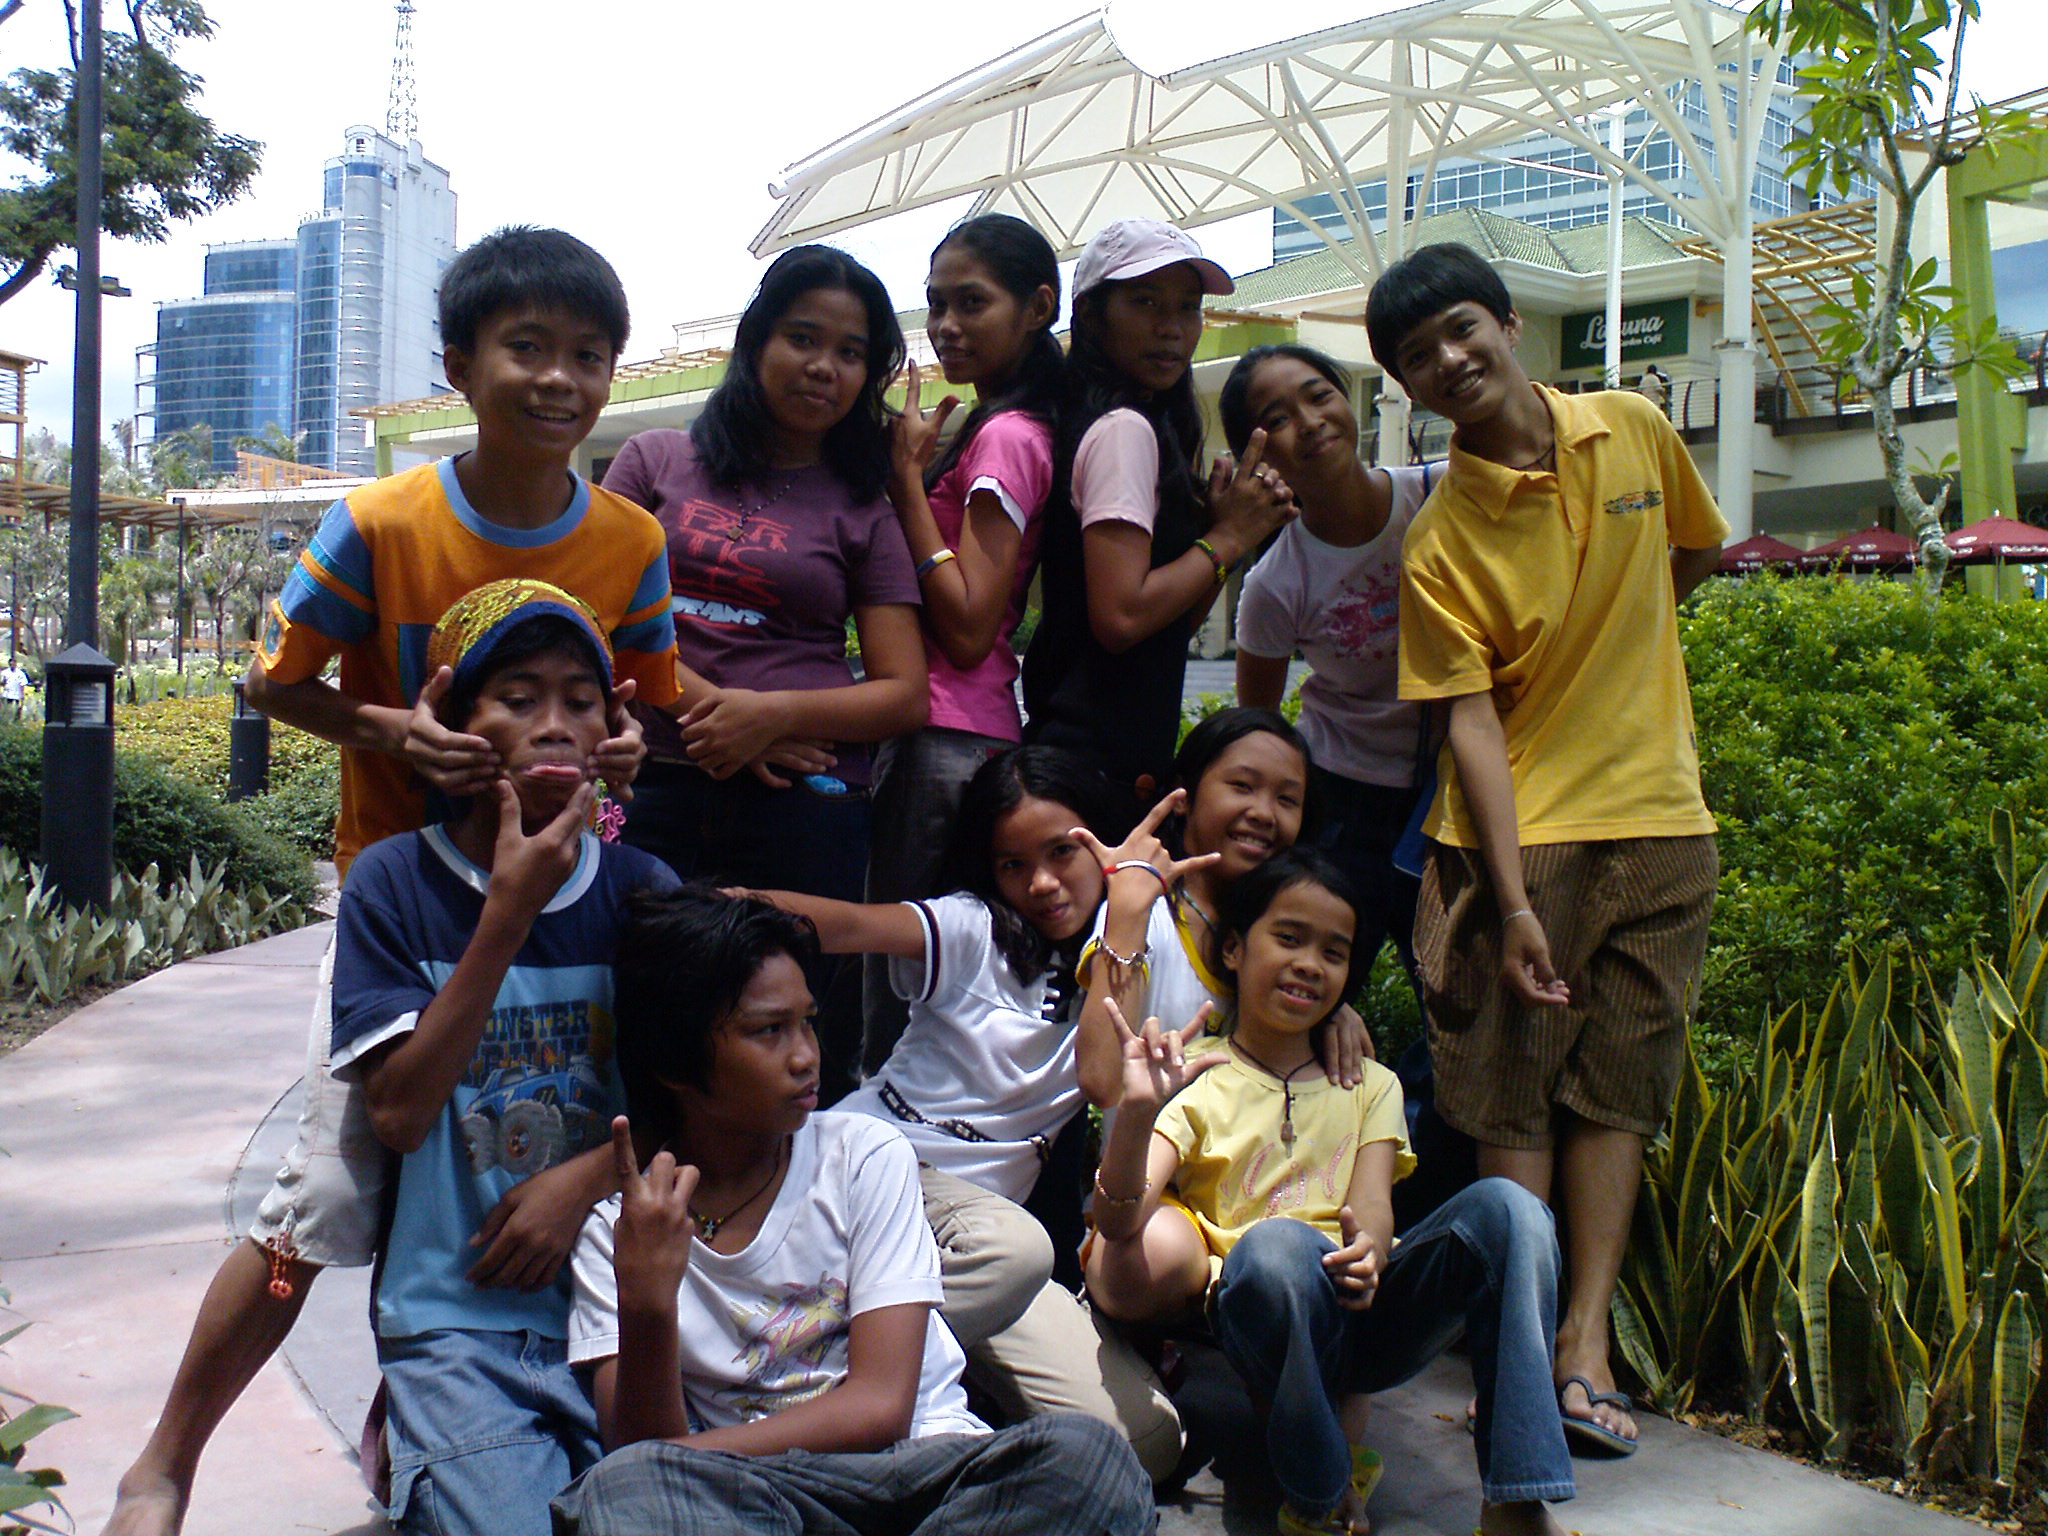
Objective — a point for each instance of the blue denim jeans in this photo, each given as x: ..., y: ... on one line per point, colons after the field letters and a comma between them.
x: 738, y: 831
x: 1062, y: 1474
x: 1484, y: 1264
x: 919, y: 780
x: 484, y: 1427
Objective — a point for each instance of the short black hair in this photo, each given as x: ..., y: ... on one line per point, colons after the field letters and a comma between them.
x: 735, y: 433
x: 1233, y: 404
x: 1427, y: 283
x: 522, y: 265
x: 685, y: 955
x: 1245, y: 900
x: 544, y: 634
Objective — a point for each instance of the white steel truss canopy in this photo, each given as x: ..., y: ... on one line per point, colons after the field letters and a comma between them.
x: 1068, y: 133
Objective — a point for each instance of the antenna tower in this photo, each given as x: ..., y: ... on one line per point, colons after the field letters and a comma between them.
x: 401, y: 117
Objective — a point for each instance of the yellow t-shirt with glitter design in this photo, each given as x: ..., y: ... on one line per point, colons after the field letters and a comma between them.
x: 1235, y: 1170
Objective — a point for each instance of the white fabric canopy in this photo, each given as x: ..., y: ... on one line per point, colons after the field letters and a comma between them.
x: 1069, y: 133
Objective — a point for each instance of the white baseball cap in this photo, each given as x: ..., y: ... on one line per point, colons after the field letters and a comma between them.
x: 1133, y: 247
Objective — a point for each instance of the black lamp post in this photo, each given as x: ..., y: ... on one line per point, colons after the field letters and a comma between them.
x: 78, y: 708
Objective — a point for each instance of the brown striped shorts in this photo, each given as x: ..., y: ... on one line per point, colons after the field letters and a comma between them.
x: 1627, y: 925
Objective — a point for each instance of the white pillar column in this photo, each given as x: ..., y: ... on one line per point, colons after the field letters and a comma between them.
x: 1736, y: 430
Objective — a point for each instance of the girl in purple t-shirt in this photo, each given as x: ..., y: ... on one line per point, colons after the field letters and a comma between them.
x: 778, y: 532
x: 970, y: 513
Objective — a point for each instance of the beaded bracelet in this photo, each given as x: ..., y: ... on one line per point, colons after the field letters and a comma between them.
x: 932, y: 562
x: 1222, y: 569
x: 1135, y: 957
x: 1108, y: 1199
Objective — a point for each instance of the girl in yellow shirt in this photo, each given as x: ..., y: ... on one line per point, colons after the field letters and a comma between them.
x: 1239, y: 1179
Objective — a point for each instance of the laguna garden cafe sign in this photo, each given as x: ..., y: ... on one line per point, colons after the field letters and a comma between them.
x: 1647, y: 331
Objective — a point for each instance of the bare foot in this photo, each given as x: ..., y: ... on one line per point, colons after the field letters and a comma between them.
x: 147, y: 1504
x: 1529, y: 1517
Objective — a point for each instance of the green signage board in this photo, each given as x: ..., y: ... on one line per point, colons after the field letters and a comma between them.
x: 1647, y: 330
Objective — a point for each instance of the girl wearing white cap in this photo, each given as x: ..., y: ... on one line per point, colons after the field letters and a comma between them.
x: 1136, y: 546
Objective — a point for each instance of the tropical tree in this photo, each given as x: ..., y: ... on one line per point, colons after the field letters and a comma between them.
x: 273, y: 442
x: 131, y: 582
x: 232, y: 571
x: 163, y: 160
x: 1883, y: 88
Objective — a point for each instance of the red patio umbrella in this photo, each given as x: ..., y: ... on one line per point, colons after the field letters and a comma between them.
x: 1998, y: 539
x: 1756, y: 552
x: 1871, y: 549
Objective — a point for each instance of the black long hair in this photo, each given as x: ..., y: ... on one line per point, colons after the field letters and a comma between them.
x: 1095, y: 387
x: 1021, y: 260
x: 735, y: 434
x: 998, y: 787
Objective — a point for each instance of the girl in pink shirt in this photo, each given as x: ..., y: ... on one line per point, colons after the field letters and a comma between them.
x: 970, y: 513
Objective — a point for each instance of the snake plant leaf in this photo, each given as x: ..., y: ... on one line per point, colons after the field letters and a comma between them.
x: 2002, y: 854
x: 1865, y: 1015
x: 1900, y: 1195
x: 1819, y: 1248
x: 1938, y: 1175
x: 1987, y: 1191
x: 2013, y: 1370
x: 1636, y: 1348
x: 1967, y: 1034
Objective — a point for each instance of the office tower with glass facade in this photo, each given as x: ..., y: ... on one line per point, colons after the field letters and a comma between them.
x: 225, y: 360
x: 369, y: 266
x: 300, y: 332
x: 1550, y: 182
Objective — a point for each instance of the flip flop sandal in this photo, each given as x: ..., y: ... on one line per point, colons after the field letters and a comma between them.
x: 1366, y: 1469
x: 1292, y: 1522
x: 1590, y: 1434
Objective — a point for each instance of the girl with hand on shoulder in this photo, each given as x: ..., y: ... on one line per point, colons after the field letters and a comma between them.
x: 971, y: 515
x: 1329, y: 587
x: 1234, y: 1171
x: 1245, y: 795
x: 1136, y: 546
x: 982, y: 1081
x: 778, y: 532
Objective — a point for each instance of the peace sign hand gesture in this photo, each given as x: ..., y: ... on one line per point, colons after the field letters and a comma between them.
x: 914, y: 436
x: 651, y: 1240
x: 1156, y: 1065
x: 1144, y: 847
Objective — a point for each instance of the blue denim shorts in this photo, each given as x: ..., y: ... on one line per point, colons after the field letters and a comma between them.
x: 484, y: 1429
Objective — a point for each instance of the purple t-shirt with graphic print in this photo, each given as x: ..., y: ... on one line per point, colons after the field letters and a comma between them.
x: 763, y: 579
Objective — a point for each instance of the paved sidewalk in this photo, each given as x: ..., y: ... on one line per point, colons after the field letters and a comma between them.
x: 144, y: 1129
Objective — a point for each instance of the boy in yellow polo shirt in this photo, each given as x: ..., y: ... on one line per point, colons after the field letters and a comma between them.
x: 1571, y: 865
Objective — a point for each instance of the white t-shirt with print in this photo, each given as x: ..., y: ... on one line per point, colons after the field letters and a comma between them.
x: 983, y: 1046
x: 767, y: 1328
x: 1342, y: 609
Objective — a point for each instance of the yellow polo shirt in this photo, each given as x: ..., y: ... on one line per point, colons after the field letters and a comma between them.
x: 1554, y: 591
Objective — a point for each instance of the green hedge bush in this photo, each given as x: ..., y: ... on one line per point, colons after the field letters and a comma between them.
x: 303, y: 810
x: 190, y: 736
x: 1853, y: 744
x: 160, y: 818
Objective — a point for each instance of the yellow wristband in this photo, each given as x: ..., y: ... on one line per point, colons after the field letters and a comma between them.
x: 1222, y: 570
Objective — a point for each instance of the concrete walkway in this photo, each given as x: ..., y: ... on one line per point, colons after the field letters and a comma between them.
x: 133, y: 1165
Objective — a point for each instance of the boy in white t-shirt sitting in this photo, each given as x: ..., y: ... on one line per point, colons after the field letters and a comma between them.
x: 767, y: 1288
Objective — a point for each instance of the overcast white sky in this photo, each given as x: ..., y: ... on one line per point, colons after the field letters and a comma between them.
x: 648, y: 127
